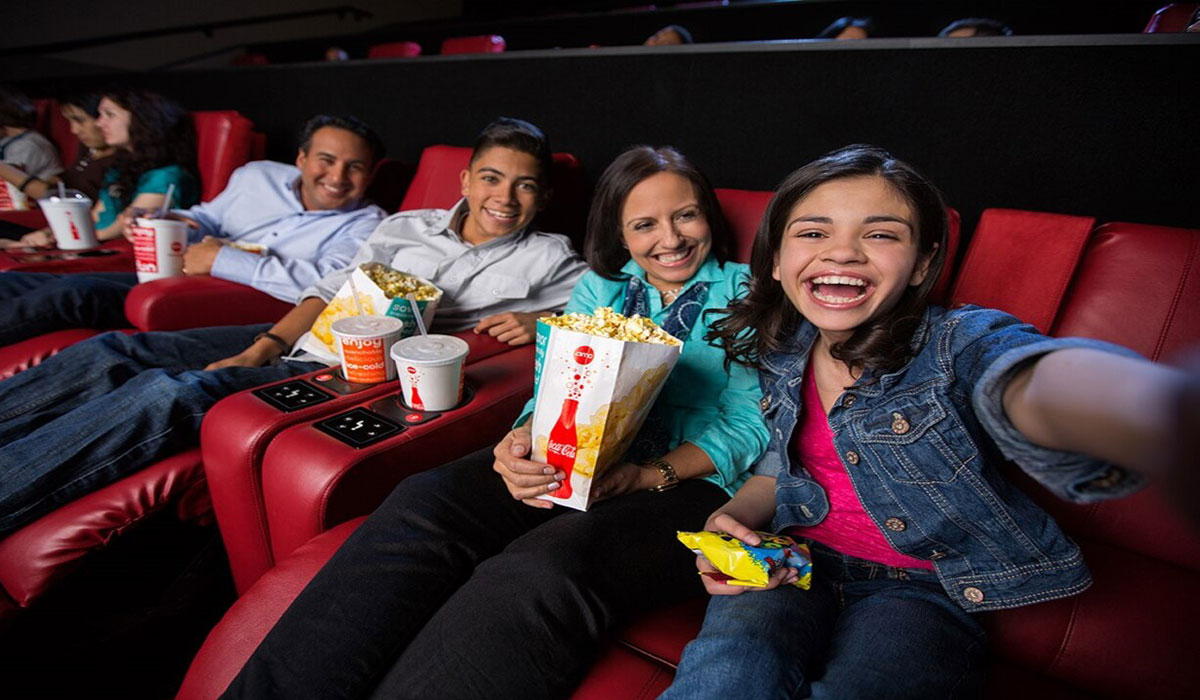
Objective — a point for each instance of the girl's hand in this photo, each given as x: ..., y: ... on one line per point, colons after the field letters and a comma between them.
x: 723, y: 522
x: 524, y: 479
x: 620, y: 479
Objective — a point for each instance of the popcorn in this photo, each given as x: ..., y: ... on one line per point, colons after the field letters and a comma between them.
x: 398, y: 284
x: 607, y: 323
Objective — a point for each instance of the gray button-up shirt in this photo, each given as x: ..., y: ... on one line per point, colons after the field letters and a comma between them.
x: 524, y: 271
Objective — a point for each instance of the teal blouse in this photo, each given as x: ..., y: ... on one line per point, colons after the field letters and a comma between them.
x: 156, y: 181
x: 701, y: 403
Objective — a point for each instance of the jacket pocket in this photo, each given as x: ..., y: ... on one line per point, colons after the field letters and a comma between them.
x: 500, y: 286
x: 915, y: 439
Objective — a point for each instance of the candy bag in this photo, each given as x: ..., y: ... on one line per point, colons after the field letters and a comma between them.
x: 740, y: 564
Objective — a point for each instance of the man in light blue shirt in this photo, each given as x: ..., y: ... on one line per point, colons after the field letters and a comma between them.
x: 276, y: 227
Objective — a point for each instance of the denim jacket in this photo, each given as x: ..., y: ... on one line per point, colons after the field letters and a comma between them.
x: 922, y: 445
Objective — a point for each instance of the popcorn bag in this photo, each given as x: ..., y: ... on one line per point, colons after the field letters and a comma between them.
x: 595, y: 380
x: 381, y: 291
x: 12, y: 198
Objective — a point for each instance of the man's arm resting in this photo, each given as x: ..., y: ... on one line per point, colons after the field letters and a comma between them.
x: 289, y: 329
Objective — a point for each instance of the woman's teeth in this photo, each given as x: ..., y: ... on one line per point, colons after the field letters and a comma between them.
x: 668, y: 258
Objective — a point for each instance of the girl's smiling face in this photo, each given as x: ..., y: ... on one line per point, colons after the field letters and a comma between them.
x: 848, y: 252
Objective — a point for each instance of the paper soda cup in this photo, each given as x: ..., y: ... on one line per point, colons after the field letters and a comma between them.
x: 12, y: 198
x: 363, y: 343
x: 70, y: 219
x: 158, y: 246
x: 430, y: 368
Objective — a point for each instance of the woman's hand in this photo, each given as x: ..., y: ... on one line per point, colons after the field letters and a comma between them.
x: 623, y: 478
x: 525, y: 479
x: 723, y: 522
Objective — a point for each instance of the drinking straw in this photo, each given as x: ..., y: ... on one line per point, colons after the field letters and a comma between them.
x: 412, y: 301
x: 166, y: 205
x: 354, y: 293
x: 62, y: 190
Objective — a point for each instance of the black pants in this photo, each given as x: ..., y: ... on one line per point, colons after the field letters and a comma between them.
x: 452, y: 589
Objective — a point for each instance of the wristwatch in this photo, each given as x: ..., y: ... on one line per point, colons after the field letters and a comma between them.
x: 670, y: 479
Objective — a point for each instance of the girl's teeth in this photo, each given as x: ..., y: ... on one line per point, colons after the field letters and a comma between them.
x: 838, y: 300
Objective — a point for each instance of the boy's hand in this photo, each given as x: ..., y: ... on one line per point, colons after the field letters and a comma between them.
x: 512, y: 327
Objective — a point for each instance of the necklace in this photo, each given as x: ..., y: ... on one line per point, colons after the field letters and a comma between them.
x: 670, y: 295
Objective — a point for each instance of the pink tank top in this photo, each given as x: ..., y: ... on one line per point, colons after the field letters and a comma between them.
x: 848, y: 529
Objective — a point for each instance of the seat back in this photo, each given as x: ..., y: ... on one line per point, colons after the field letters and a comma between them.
x: 487, y: 43
x: 1001, y: 271
x: 223, y: 144
x: 396, y: 49
x: 1171, y: 18
x: 1132, y: 634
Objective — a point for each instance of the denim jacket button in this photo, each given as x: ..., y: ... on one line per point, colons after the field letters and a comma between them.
x: 849, y: 400
x: 895, y: 525
x: 937, y: 554
x: 852, y: 457
x: 973, y: 594
x: 764, y: 403
x: 900, y: 424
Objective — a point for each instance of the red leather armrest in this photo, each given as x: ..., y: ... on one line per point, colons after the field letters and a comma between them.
x: 311, y: 481
x: 176, y: 303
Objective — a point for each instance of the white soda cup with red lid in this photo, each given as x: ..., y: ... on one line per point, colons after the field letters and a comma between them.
x: 158, y: 246
x: 430, y: 368
x: 69, y: 213
x: 363, y: 344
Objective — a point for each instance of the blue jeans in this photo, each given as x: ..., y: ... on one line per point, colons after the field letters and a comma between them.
x: 109, y: 406
x: 863, y: 630
x: 452, y: 589
x: 33, y: 303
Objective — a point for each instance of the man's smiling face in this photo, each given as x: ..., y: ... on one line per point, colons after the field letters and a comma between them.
x: 335, y: 169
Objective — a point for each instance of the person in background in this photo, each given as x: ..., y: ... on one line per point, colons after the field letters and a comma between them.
x: 670, y: 35
x: 25, y: 154
x: 94, y: 159
x: 276, y: 227
x: 975, y: 26
x: 335, y: 53
x: 849, y: 28
x: 155, y: 143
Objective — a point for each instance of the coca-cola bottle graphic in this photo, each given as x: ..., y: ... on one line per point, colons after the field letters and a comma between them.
x: 562, y: 446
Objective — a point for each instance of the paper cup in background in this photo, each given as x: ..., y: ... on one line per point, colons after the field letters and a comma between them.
x: 158, y: 246
x: 430, y: 368
x: 363, y: 343
x: 70, y: 218
x: 12, y: 198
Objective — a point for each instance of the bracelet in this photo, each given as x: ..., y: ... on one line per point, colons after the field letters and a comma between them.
x: 25, y: 184
x: 670, y: 479
x: 276, y: 339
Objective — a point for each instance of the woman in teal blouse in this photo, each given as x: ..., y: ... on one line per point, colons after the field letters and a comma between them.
x: 464, y: 584
x: 156, y: 148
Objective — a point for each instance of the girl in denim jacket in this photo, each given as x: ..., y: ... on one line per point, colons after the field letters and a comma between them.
x: 888, y: 419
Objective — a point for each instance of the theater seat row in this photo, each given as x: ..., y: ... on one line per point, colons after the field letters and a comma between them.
x: 1130, y: 635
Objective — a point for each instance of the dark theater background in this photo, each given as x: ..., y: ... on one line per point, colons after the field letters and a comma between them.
x: 1078, y: 112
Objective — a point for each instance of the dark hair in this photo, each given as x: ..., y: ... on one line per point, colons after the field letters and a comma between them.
x: 840, y: 24
x: 683, y: 33
x: 87, y: 101
x: 602, y: 245
x: 161, y: 133
x: 16, y: 110
x: 519, y: 135
x: 347, y: 123
x: 764, y: 320
x: 983, y: 26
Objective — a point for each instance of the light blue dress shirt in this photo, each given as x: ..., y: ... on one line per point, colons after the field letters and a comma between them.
x: 261, y: 204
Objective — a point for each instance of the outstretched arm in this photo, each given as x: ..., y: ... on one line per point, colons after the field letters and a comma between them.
x: 288, y: 329
x: 1120, y: 409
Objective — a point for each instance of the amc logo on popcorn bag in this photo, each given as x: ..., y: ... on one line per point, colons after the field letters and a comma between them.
x: 584, y: 355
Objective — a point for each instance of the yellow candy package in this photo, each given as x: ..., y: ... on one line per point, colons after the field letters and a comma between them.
x: 740, y: 564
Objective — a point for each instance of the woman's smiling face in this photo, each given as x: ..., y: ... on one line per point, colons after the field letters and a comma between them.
x: 665, y: 230
x: 848, y: 252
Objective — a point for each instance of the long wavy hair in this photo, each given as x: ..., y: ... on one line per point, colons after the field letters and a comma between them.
x: 603, y: 246
x: 764, y: 320
x: 161, y: 133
